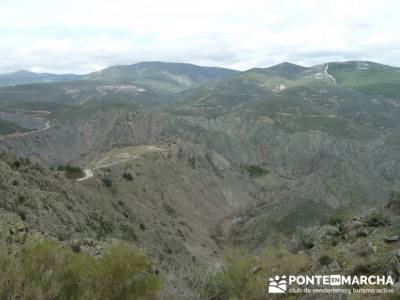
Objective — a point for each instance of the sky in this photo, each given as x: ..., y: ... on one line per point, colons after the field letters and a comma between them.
x: 88, y: 35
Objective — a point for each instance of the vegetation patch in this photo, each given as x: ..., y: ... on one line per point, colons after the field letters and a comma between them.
x: 375, y: 219
x: 304, y: 214
x: 339, y: 217
x: 128, y: 176
x: 46, y: 270
x: 325, y: 260
x: 242, y: 274
x: 72, y: 172
x: 107, y: 181
x: 256, y: 171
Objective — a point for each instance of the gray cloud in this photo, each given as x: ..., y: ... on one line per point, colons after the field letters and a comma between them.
x: 54, y: 36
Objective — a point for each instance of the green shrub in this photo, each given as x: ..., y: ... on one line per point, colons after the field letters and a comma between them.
x: 77, y: 277
x: 124, y: 274
x: 128, y: 176
x: 208, y: 284
x: 325, y: 260
x: 107, y: 181
x: 72, y: 172
x: 238, y: 276
x: 305, y: 239
x: 375, y: 219
x: 45, y: 270
x: 279, y: 259
x: 34, y: 272
x: 339, y: 217
x: 394, y: 197
x: 242, y: 275
x: 235, y: 279
x: 6, y: 273
x: 255, y: 171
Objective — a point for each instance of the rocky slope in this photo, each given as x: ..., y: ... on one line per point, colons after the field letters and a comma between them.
x: 312, y: 169
x: 166, y: 202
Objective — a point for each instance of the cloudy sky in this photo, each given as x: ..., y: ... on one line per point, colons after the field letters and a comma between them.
x: 85, y: 35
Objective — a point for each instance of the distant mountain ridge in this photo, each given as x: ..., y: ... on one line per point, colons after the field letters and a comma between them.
x: 26, y: 77
x: 175, y: 76
x: 148, y: 68
x: 156, y: 75
x: 149, y: 83
x: 161, y: 75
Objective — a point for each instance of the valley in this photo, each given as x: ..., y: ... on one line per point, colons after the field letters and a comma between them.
x: 183, y: 161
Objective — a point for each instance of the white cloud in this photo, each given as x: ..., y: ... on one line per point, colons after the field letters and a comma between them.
x: 80, y: 36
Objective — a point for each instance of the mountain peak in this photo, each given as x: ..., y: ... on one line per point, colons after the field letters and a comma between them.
x: 287, y: 64
x: 285, y: 69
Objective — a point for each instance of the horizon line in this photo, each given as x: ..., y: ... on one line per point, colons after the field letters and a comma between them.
x: 187, y: 63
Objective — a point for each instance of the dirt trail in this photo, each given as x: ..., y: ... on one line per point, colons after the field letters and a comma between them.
x: 88, y: 174
x: 114, y: 159
x: 17, y: 135
x: 115, y: 163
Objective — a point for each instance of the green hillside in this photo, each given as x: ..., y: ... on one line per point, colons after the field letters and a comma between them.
x: 160, y: 75
x: 368, y: 77
x: 302, y: 99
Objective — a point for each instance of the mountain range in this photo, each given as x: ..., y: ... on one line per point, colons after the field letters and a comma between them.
x: 183, y: 160
x: 165, y: 75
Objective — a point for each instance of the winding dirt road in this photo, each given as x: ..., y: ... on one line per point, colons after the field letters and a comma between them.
x: 110, y: 160
x: 17, y: 135
x: 88, y: 174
